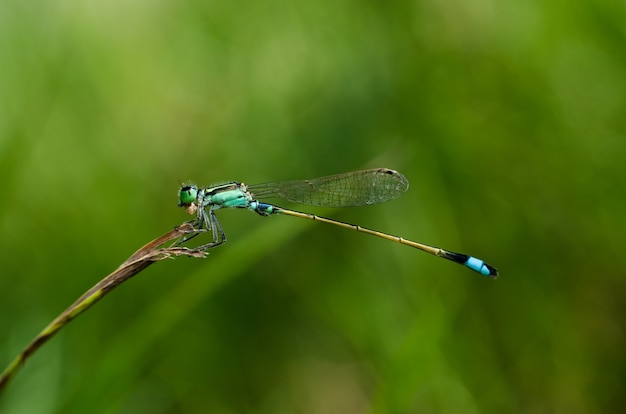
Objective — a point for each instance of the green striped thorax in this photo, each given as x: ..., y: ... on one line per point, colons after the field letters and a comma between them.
x: 222, y: 196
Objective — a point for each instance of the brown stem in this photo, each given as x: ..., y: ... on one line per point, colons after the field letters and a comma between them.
x: 137, y: 262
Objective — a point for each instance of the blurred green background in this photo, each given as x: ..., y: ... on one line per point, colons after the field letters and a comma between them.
x: 508, y: 119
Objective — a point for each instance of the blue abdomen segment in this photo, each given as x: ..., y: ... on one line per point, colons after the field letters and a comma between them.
x: 263, y: 209
x: 473, y: 263
x: 478, y: 265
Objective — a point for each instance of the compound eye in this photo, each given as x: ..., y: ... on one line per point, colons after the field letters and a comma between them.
x: 187, y: 195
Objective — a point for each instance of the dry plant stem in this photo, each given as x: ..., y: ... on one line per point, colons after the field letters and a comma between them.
x: 140, y: 260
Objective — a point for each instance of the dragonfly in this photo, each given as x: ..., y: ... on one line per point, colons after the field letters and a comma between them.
x: 352, y: 189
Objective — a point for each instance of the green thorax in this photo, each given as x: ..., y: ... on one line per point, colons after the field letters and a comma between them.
x: 225, y: 196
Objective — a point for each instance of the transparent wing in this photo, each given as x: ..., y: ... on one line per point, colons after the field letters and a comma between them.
x: 353, y: 189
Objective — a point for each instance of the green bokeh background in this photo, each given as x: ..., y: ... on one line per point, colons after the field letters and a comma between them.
x: 508, y: 118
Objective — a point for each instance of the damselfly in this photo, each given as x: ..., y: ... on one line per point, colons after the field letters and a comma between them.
x: 353, y: 189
